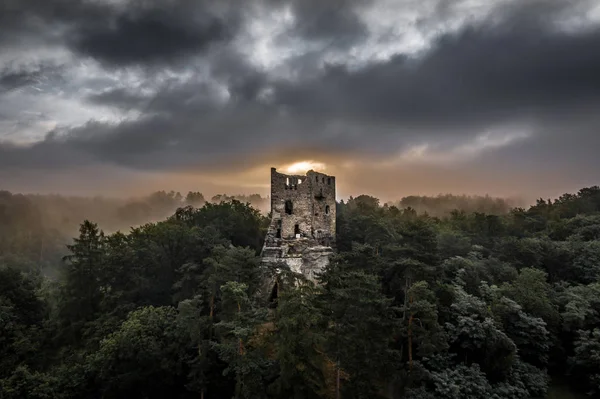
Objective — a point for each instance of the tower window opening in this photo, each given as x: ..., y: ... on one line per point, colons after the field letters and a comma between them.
x: 329, y: 180
x: 299, y: 181
x: 322, y: 180
x: 287, y: 181
x: 297, y: 231
x: 289, y: 207
x: 327, y: 209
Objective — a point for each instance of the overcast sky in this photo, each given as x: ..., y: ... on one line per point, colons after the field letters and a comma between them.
x: 395, y: 97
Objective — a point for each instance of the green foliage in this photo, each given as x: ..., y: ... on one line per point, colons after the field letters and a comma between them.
x: 247, y: 362
x: 453, y: 243
x: 474, y: 337
x: 298, y: 342
x: 580, y: 307
x: 531, y: 291
x: 476, y: 302
x: 361, y: 323
x: 586, y: 359
x: 21, y: 317
x: 237, y: 222
x: 23, y: 383
x: 460, y: 382
x: 527, y: 332
x: 143, y: 357
x: 421, y: 321
x: 81, y: 291
x: 586, y: 262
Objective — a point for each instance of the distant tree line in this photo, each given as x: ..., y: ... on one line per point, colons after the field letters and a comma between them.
x: 441, y: 205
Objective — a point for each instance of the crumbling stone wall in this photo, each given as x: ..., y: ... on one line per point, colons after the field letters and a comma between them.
x: 302, y: 229
x: 310, y: 201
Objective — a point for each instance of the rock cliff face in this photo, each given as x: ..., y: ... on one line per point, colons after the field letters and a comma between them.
x: 302, y: 230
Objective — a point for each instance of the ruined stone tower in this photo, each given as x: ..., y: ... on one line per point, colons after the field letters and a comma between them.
x: 302, y: 229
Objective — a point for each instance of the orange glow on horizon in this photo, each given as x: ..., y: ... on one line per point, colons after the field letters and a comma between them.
x: 304, y: 166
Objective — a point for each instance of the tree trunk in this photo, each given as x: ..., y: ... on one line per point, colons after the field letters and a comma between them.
x: 410, y: 360
x: 410, y: 320
x: 240, y: 343
x: 210, y: 317
x: 337, y: 381
x: 404, y: 314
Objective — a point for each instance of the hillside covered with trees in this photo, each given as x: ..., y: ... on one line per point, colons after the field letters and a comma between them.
x: 442, y: 205
x: 468, y: 305
x: 35, y: 228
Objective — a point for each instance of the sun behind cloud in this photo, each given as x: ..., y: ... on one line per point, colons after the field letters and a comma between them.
x: 304, y: 166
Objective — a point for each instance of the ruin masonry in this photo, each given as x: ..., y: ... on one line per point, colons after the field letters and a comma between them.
x: 302, y: 229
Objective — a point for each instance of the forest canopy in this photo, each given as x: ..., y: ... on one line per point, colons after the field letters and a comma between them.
x: 463, y: 304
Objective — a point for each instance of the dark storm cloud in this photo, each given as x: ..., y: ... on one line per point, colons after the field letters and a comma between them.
x: 329, y: 20
x: 120, y: 98
x: 10, y: 79
x: 18, y: 76
x: 473, y: 78
x: 150, y: 35
x: 194, y: 96
x: 43, y: 156
x: 29, y: 22
x: 131, y: 32
x: 516, y: 66
x: 160, y: 32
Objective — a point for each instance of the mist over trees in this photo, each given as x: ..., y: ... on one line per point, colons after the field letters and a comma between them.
x: 441, y: 205
x: 36, y: 228
x: 465, y: 305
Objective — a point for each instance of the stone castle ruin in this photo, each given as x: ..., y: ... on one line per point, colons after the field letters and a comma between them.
x: 302, y: 230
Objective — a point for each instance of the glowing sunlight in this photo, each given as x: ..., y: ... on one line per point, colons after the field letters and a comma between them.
x: 305, y: 166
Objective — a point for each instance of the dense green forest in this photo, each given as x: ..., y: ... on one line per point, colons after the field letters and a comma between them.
x: 465, y: 305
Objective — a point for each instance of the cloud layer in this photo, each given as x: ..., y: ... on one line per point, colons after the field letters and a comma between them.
x: 502, y: 101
